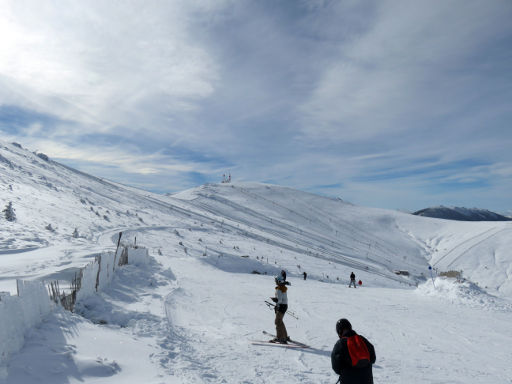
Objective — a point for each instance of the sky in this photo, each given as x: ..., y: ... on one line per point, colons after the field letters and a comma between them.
x: 388, y: 103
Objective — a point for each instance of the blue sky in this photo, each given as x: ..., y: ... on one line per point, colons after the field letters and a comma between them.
x: 393, y: 104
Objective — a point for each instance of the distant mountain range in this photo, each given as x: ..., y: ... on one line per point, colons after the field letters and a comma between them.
x: 461, y: 214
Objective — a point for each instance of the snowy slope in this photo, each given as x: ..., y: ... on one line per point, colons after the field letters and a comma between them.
x: 369, y: 240
x: 321, y: 231
x: 481, y: 250
x: 189, y: 316
x: 45, y: 193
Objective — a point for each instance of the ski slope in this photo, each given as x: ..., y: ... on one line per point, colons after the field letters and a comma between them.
x: 190, y: 316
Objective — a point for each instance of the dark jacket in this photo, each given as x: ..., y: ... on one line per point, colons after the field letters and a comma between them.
x: 342, y: 364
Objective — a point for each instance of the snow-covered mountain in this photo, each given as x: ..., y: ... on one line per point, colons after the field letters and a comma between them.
x: 45, y: 193
x: 462, y: 214
x: 187, y: 318
x: 51, y: 201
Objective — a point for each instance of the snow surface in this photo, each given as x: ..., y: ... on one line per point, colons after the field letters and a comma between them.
x: 189, y: 315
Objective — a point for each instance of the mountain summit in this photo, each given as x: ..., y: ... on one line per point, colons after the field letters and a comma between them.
x: 461, y: 214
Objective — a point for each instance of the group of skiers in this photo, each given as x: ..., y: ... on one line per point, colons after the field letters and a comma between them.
x: 352, y: 356
x: 352, y: 279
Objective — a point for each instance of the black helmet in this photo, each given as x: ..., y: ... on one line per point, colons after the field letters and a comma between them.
x: 341, y: 325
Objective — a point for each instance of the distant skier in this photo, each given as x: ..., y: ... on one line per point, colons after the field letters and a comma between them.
x: 305, y: 275
x: 352, y: 280
x: 352, y: 356
x: 360, y: 282
x: 281, y: 300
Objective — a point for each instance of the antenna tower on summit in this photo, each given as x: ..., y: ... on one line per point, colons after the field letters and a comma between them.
x: 226, y: 179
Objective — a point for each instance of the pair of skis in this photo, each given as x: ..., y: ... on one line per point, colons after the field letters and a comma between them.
x: 290, y: 343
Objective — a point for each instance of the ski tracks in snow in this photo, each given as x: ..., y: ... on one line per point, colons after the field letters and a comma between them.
x: 208, y: 340
x: 465, y: 246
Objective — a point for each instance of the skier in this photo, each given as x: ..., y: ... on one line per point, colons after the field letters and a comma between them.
x: 305, y: 275
x: 360, y: 282
x: 352, y: 280
x: 281, y: 300
x: 352, y: 356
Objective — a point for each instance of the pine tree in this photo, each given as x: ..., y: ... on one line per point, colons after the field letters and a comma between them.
x: 75, y: 233
x: 9, y: 212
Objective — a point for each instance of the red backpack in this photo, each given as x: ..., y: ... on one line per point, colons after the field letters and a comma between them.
x: 358, y: 351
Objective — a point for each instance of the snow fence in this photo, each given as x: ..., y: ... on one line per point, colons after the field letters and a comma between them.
x: 98, y: 274
x: 138, y: 256
x: 20, y: 313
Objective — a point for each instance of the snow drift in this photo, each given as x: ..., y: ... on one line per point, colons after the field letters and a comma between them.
x: 20, y: 313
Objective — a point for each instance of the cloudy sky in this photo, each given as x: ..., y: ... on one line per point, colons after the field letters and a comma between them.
x: 384, y: 103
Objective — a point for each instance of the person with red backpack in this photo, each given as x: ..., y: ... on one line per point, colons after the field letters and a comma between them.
x: 352, y: 356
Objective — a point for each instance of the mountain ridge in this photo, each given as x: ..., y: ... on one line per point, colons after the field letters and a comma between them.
x: 461, y: 214
x: 322, y: 234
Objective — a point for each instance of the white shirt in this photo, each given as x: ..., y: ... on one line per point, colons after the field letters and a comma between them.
x: 282, y: 297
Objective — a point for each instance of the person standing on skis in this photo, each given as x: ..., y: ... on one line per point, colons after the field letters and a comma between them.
x: 281, y: 300
x: 352, y: 356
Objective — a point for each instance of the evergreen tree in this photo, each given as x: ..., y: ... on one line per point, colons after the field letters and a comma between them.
x: 9, y: 212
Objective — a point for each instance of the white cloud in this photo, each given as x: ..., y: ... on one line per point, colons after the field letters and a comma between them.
x: 127, y: 160
x: 410, y: 64
x: 303, y: 93
x: 103, y: 63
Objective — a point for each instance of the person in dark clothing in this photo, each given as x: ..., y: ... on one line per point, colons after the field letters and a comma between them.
x: 305, y: 275
x: 352, y: 280
x: 352, y: 356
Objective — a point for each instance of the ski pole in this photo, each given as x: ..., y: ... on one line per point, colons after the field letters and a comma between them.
x: 272, y: 306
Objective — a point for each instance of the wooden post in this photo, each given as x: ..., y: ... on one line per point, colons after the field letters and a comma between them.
x: 115, y: 255
x: 119, y: 240
x: 98, y: 259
